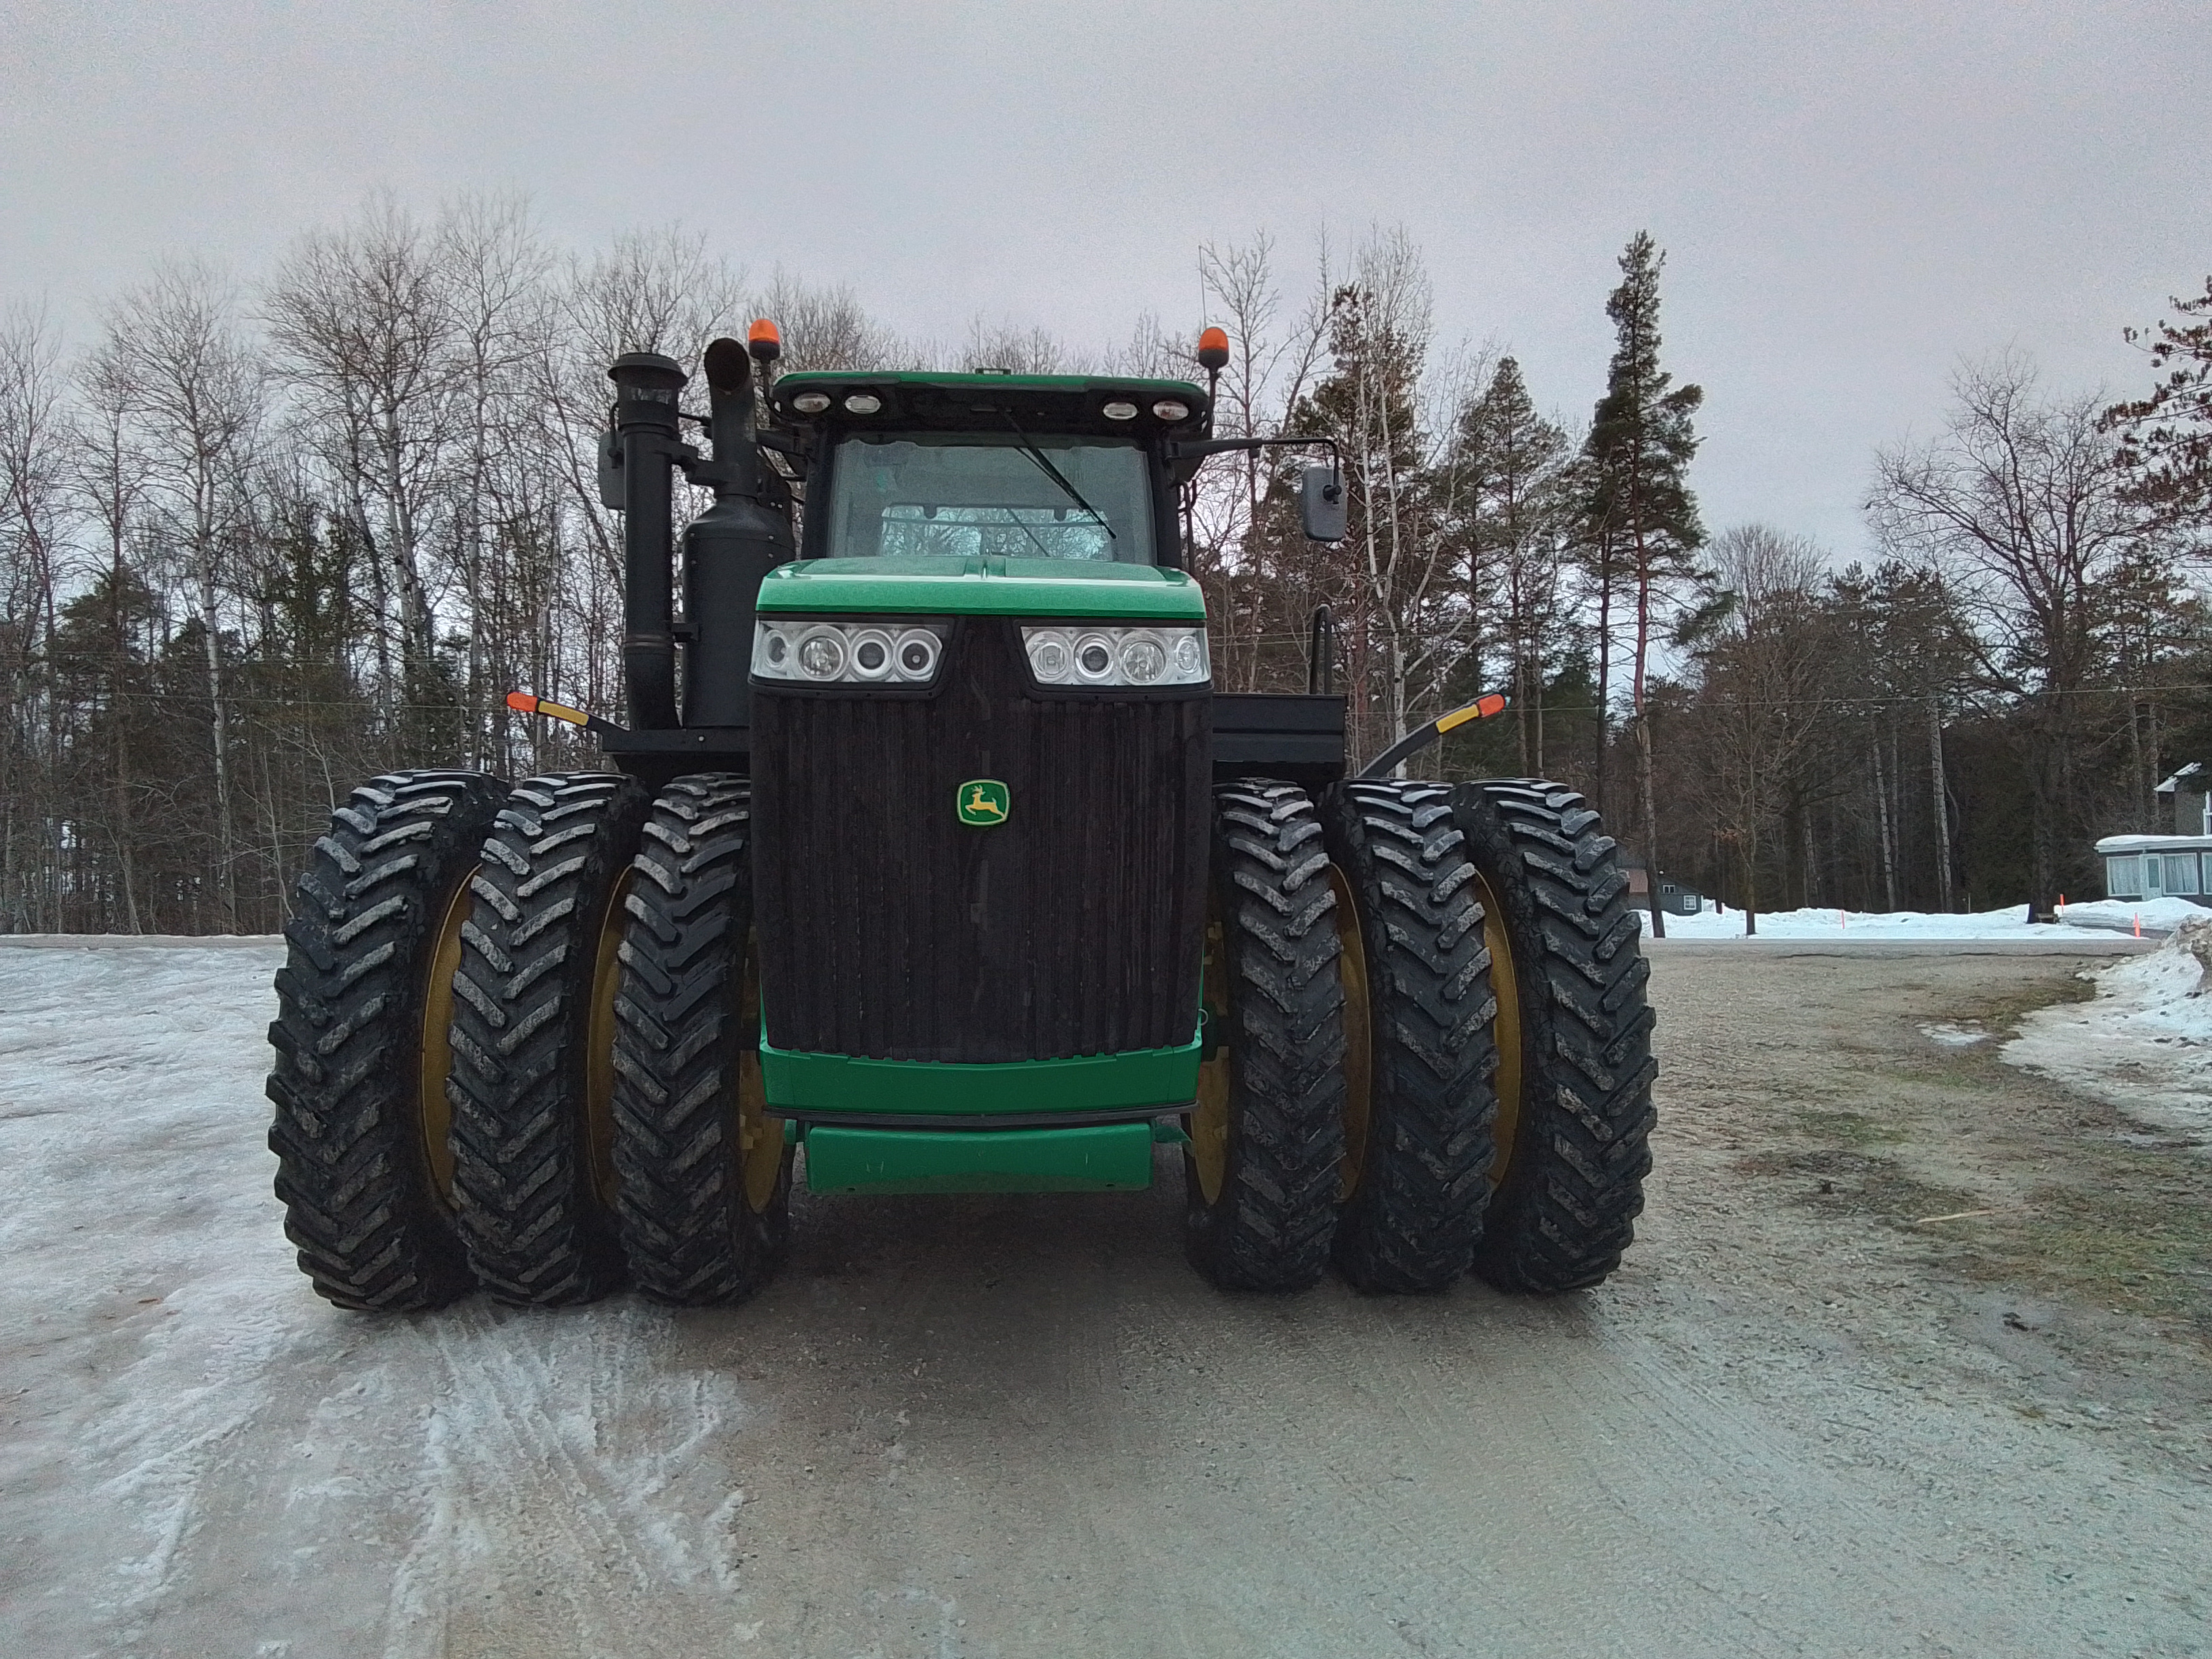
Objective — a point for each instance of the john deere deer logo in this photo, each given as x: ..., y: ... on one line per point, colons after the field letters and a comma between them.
x: 983, y: 800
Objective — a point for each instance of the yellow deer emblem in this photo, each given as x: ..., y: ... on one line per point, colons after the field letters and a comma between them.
x: 981, y: 801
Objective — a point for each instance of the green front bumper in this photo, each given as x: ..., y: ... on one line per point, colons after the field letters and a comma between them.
x: 933, y: 1157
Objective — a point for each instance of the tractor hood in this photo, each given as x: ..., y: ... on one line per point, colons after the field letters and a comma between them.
x: 991, y: 586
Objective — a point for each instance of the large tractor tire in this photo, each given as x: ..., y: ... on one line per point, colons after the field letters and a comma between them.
x: 1574, y: 1037
x: 1419, y: 1102
x: 363, y: 1006
x: 1267, y: 1131
x: 704, y: 1196
x: 532, y: 1080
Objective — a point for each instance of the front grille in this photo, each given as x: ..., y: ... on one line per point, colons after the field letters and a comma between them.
x: 889, y: 928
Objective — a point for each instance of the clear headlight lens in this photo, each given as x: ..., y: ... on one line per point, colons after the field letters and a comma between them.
x: 817, y: 653
x: 1051, y: 658
x: 1117, y: 656
x: 871, y: 653
x: 919, y: 649
x: 822, y: 653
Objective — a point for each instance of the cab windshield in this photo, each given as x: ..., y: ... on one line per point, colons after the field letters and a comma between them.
x: 1020, y: 496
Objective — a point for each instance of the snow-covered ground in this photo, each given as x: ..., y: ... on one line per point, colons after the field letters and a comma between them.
x: 2144, y: 1044
x: 168, y: 1371
x: 2156, y: 918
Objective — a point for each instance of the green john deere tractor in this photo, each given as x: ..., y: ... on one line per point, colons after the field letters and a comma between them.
x: 931, y: 849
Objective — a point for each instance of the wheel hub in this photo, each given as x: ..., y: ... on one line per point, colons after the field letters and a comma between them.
x: 1506, y: 989
x: 433, y: 1112
x: 1358, y: 1032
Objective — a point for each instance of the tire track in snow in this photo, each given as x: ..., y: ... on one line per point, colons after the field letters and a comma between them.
x: 127, y: 1174
x: 564, y: 1462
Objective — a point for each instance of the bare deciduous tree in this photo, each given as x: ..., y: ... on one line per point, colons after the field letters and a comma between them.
x: 1768, y: 667
x: 197, y: 393
x: 2020, y: 505
x: 32, y: 436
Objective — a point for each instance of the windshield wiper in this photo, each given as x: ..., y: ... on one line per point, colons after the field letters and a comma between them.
x: 1028, y: 449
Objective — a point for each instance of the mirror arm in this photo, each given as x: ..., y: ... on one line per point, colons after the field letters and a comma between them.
x: 1189, y: 449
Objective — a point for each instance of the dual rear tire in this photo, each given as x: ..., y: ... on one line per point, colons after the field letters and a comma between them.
x: 512, y: 1047
x: 1428, y: 1048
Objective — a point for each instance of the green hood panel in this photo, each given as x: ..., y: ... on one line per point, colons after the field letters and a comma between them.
x: 985, y: 587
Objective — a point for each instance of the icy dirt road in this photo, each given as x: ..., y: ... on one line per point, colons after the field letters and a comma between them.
x: 1809, y: 1418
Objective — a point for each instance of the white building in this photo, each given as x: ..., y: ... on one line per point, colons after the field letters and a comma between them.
x: 2157, y: 867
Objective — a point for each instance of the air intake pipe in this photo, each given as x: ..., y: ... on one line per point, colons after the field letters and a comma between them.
x: 646, y: 385
x: 729, y: 548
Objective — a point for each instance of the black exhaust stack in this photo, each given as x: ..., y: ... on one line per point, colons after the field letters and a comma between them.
x: 646, y: 385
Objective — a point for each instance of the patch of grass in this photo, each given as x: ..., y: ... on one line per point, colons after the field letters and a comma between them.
x: 1955, y: 1068
x: 1999, y: 1014
x: 1847, y: 1129
x: 2144, y: 1251
x: 2106, y: 1224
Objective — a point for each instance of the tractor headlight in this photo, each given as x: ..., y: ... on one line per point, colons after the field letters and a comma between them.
x: 822, y: 654
x: 919, y: 649
x: 1052, y: 654
x: 816, y: 653
x: 872, y: 654
x: 1117, y: 656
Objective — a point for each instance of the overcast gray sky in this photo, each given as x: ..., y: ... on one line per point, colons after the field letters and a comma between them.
x: 1851, y: 196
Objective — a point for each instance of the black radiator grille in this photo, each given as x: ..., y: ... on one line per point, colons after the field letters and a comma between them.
x: 888, y: 928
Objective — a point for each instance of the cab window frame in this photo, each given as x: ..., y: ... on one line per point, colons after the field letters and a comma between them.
x: 1167, y: 548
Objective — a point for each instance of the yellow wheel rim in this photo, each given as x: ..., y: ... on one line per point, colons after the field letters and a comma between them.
x: 434, y: 1053
x: 1358, y: 1037
x: 760, y: 1137
x: 599, y: 1055
x: 1504, y: 984
x: 1209, y: 1121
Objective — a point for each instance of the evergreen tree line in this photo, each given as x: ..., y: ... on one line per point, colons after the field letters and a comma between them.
x: 259, y: 541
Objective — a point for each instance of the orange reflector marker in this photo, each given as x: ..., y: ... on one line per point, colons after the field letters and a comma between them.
x: 523, y: 702
x: 1481, y: 709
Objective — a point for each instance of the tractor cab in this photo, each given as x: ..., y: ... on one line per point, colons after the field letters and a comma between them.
x: 993, y: 465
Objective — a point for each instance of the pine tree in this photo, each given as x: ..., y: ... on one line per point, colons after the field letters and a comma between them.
x: 1368, y: 403
x: 1517, y: 466
x: 1640, y: 519
x: 2168, y: 436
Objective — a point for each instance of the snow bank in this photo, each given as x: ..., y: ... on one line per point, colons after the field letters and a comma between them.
x: 2144, y: 1045
x: 2158, y: 916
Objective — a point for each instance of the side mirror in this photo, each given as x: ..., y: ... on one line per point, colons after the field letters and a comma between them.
x: 1320, y: 503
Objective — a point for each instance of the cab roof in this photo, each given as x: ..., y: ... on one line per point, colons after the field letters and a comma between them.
x: 1063, y: 403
